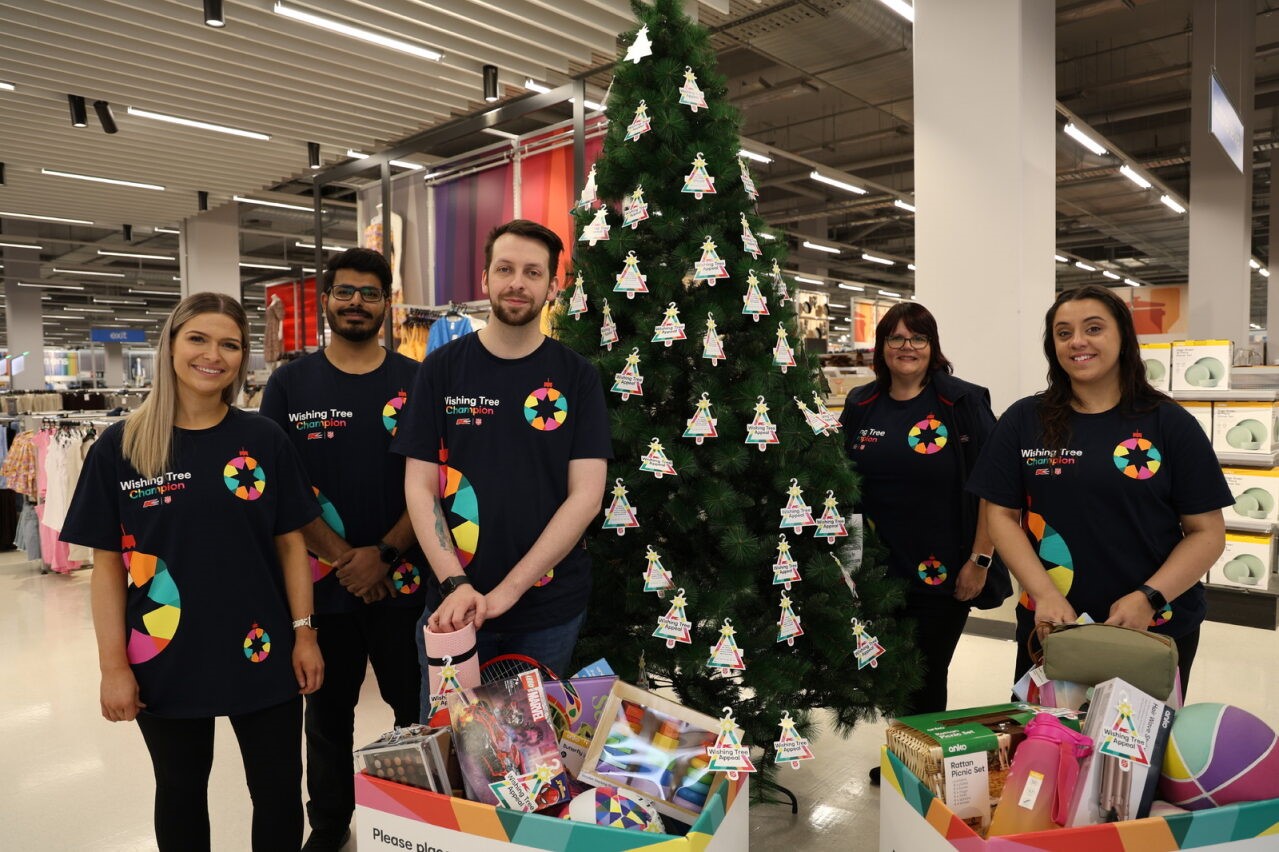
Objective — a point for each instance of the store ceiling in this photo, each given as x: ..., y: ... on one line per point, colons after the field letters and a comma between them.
x: 824, y: 82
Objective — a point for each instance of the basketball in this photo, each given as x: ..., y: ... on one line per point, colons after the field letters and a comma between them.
x: 1218, y: 755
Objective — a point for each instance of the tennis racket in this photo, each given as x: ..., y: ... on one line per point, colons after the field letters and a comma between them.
x: 505, y: 666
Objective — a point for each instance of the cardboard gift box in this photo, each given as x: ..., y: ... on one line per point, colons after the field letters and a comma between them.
x: 1201, y: 364
x: 1158, y: 360
x: 1247, y: 562
x: 1245, y: 427
x: 1256, y: 493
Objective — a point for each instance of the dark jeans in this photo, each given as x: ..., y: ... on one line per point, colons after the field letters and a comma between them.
x: 182, y: 757
x: 349, y: 642
x: 939, y: 622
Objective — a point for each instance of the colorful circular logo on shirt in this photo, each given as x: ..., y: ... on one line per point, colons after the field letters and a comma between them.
x: 407, y: 578
x: 257, y: 644
x: 321, y: 568
x: 931, y: 571
x: 1052, y: 551
x: 546, y: 408
x: 1162, y: 617
x: 545, y: 578
x: 391, y: 412
x: 1137, y: 458
x: 463, y: 511
x: 151, y: 630
x: 244, y: 477
x: 928, y: 436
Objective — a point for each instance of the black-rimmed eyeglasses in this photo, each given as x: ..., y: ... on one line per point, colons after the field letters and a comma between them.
x: 345, y: 292
x: 916, y: 341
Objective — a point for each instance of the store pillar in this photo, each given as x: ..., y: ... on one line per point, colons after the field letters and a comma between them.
x: 210, y: 252
x: 985, y: 185
x: 22, y: 319
x: 1272, y: 298
x: 114, y: 376
x: 1220, y: 192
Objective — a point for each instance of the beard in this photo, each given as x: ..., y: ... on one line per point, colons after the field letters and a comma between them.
x: 343, y: 328
x: 516, y: 317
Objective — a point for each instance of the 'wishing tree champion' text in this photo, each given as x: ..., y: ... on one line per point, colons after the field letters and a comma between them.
x: 323, y: 419
x: 471, y: 405
x: 162, y: 484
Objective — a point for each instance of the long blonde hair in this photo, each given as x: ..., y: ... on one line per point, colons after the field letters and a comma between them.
x: 148, y: 433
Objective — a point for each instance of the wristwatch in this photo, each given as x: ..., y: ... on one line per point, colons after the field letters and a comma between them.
x: 303, y: 622
x: 390, y: 553
x: 982, y: 560
x: 449, y: 585
x: 1156, y: 597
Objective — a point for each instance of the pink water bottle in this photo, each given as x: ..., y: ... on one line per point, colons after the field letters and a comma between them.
x: 1042, y: 778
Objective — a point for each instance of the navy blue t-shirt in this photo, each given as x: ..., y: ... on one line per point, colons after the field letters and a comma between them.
x: 342, y: 425
x: 209, y: 632
x: 1104, y: 512
x: 911, y: 468
x: 503, y: 432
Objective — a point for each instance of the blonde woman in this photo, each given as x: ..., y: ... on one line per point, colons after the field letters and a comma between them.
x: 201, y: 589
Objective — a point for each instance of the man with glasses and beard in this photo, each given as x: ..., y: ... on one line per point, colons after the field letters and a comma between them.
x: 341, y: 407
x: 508, y: 447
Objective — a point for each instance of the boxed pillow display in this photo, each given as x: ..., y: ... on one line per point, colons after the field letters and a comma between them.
x: 1246, y: 563
x: 1245, y: 427
x: 1200, y: 365
x: 1201, y: 411
x: 1256, y: 493
x: 1158, y: 360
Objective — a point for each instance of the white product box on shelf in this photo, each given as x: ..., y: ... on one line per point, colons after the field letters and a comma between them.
x: 1201, y: 364
x: 1158, y: 360
x: 1256, y: 493
x: 1246, y: 563
x: 1201, y: 411
x: 1245, y: 427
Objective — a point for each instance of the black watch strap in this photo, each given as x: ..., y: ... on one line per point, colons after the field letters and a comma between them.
x: 449, y: 585
x: 1156, y: 598
x: 390, y: 553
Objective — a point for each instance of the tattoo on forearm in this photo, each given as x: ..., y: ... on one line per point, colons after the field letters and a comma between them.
x: 441, y: 533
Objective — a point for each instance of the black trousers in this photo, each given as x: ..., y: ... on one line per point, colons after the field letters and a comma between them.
x: 939, y: 622
x: 349, y: 642
x: 182, y: 757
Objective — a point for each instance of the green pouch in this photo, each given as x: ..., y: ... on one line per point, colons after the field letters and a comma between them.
x: 1092, y: 653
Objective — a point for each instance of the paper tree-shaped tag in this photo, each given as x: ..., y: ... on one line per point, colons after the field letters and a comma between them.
x: 817, y: 424
x: 754, y: 304
x: 701, y: 425
x: 639, y: 48
x: 728, y: 754
x: 588, y: 196
x: 446, y: 684
x: 675, y: 626
x: 635, y: 208
x: 656, y: 462
x: 848, y: 577
x: 711, y: 267
x: 791, y: 748
x: 785, y: 568
x: 656, y: 578
x: 824, y: 414
x: 761, y: 431
x: 726, y: 654
x: 699, y: 182
x: 577, y: 303
x: 629, y: 280
x: 608, y: 329
x: 779, y: 285
x: 788, y: 626
x: 712, y: 345
x: 831, y: 523
x: 640, y: 124
x: 597, y: 229
x: 520, y: 792
x: 748, y: 183
x: 796, y: 514
x: 689, y: 93
x: 783, y: 354
x: 1123, y: 739
x: 629, y: 381
x: 750, y: 245
x: 868, y: 650
x: 619, y: 515
x: 670, y: 329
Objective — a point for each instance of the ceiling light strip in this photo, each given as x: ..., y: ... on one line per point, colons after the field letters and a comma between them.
x: 95, y: 179
x: 358, y: 33
x: 199, y: 125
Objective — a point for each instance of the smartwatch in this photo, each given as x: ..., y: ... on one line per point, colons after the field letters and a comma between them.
x: 982, y: 560
x: 390, y: 553
x: 303, y: 622
x: 1156, y: 598
x: 449, y: 585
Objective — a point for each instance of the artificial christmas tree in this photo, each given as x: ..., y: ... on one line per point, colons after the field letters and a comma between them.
x: 718, y: 520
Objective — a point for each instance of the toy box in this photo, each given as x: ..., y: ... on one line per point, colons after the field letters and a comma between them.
x: 1246, y: 563
x: 576, y: 705
x: 1256, y: 493
x: 418, y: 756
x: 1245, y: 427
x: 1202, y: 412
x: 1158, y: 360
x: 1201, y: 364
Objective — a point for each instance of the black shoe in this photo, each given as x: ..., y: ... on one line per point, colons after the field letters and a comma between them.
x: 327, y: 840
x: 874, y: 776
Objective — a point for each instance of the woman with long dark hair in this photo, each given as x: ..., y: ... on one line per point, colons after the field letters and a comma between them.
x: 201, y: 588
x: 1103, y: 495
x: 914, y: 433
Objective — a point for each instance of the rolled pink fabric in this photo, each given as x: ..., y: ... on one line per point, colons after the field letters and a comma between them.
x: 461, y: 647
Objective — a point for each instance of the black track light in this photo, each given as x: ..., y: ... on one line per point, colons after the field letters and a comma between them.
x: 79, y: 113
x: 313, y: 154
x: 105, y: 118
x: 203, y: 198
x: 128, y: 233
x: 490, y: 83
x: 213, y: 13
